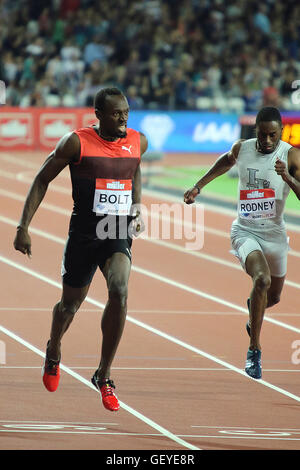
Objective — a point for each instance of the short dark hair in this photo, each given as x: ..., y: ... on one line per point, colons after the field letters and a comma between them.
x: 101, y: 96
x: 268, y: 113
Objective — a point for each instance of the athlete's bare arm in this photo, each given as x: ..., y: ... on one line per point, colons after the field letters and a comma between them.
x: 143, y: 142
x: 290, y: 175
x: 66, y: 151
x: 137, y: 179
x: 137, y: 188
x: 221, y: 166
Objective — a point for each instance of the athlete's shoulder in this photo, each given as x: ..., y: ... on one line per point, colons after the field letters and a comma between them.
x: 144, y: 142
x: 140, y: 137
x: 251, y: 141
x: 236, y: 146
x: 68, y: 147
x: 286, y: 145
x: 84, y: 131
x: 131, y: 131
x: 294, y: 158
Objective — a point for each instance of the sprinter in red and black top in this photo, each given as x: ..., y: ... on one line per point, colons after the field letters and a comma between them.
x: 104, y: 163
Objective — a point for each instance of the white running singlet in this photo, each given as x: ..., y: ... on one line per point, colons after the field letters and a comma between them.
x: 262, y: 195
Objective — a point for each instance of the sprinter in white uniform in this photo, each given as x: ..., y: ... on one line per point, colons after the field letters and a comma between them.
x: 267, y: 168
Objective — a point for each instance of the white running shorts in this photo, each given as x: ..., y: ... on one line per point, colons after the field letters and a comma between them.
x: 274, y: 247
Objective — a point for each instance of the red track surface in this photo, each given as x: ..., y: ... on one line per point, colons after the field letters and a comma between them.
x: 179, y: 371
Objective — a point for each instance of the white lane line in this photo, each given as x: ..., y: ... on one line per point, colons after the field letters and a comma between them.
x: 169, y: 369
x: 166, y: 280
x: 239, y: 436
x: 148, y: 328
x: 162, y: 243
x: 54, y: 423
x: 186, y: 436
x: 44, y: 205
x: 147, y: 192
x: 154, y: 312
x: 207, y: 257
x: 60, y: 210
x: 213, y: 298
x: 86, y: 382
x: 103, y: 433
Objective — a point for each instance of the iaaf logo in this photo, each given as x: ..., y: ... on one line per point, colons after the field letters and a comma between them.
x: 255, y: 194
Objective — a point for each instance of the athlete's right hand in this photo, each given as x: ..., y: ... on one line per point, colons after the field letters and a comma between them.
x: 22, y: 241
x: 190, y: 195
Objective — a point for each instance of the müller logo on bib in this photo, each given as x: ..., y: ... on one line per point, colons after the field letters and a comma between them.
x: 257, y: 204
x: 254, y: 194
x: 112, y: 197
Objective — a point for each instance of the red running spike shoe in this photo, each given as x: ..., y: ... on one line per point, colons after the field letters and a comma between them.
x: 51, y: 374
x: 109, y: 399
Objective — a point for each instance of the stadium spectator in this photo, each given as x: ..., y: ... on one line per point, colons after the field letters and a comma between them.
x: 172, y: 54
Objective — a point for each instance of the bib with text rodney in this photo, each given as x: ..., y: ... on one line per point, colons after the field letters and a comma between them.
x: 112, y: 197
x: 257, y: 203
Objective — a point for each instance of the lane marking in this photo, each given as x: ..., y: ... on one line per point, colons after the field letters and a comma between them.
x: 239, y: 436
x: 170, y: 369
x: 154, y: 312
x: 213, y: 298
x: 90, y: 429
x: 44, y: 205
x: 166, y: 280
x: 163, y: 243
x: 63, y: 211
x: 86, y: 382
x: 215, y: 208
x: 206, y: 256
x: 148, y: 192
x: 144, y: 326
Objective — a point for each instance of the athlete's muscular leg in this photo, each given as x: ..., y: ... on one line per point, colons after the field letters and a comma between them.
x: 116, y: 272
x: 274, y: 292
x: 257, y: 267
x: 63, y: 314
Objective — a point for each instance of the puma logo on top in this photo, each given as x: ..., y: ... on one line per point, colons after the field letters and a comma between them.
x: 127, y: 148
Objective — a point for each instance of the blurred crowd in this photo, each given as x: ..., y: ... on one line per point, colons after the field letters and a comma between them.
x: 164, y: 54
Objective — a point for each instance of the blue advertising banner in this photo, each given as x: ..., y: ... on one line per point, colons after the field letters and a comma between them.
x: 182, y: 131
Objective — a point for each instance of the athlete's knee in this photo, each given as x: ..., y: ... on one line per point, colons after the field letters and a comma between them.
x: 69, y: 308
x: 273, y: 299
x: 118, y: 291
x: 262, y: 281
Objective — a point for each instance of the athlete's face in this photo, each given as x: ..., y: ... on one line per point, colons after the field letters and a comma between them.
x: 268, y: 135
x: 114, y: 116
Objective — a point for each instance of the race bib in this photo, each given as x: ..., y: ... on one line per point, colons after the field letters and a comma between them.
x: 257, y: 203
x: 112, y: 197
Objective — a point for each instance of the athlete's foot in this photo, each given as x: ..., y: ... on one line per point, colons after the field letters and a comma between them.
x: 253, y: 363
x: 51, y: 373
x: 105, y: 387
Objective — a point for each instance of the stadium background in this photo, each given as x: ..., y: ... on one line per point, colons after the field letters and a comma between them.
x: 193, y: 71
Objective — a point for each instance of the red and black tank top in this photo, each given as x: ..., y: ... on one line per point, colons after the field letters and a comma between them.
x: 102, y: 179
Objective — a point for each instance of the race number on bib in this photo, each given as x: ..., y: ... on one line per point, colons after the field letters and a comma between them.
x: 257, y: 203
x: 112, y: 197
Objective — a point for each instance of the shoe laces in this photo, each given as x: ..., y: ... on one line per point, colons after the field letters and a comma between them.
x: 107, y: 388
x: 52, y: 367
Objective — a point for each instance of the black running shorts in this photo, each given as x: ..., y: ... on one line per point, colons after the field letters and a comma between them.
x: 82, y: 256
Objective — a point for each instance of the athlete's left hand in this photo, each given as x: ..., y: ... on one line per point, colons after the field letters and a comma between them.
x: 137, y: 225
x: 281, y: 169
